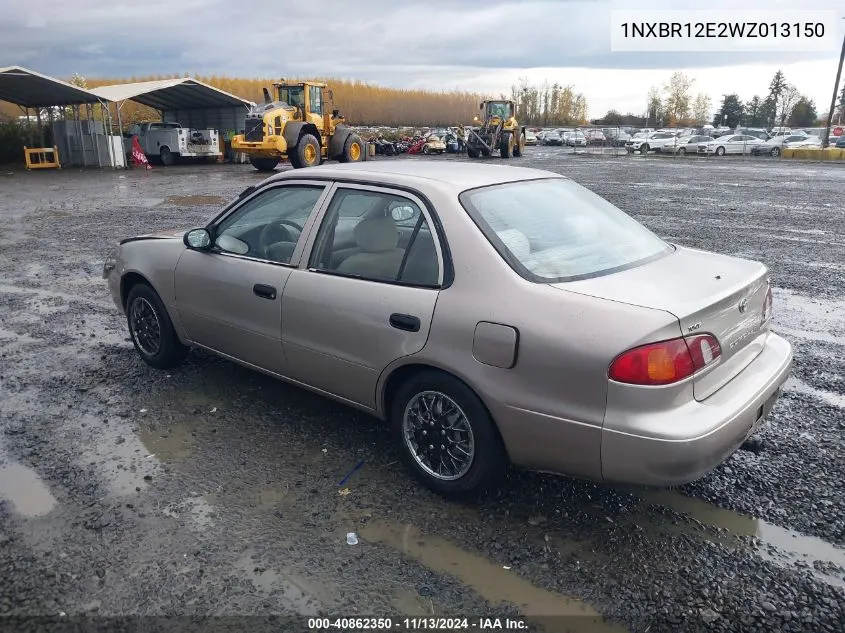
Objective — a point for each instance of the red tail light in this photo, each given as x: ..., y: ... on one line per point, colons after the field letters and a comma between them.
x: 665, y: 362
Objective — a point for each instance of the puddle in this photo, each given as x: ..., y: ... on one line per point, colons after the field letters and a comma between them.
x: 198, y: 509
x: 24, y: 489
x: 409, y: 602
x: 491, y: 581
x: 283, y: 586
x: 793, y: 547
x: 828, y: 397
x: 194, y: 201
x: 168, y: 443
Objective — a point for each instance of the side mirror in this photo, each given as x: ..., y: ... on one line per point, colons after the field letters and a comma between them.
x: 197, y: 239
x: 336, y: 113
x: 400, y: 212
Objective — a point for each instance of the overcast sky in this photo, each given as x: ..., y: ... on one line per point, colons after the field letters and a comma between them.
x: 441, y: 44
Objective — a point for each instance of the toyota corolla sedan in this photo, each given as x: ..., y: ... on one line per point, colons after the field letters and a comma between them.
x: 492, y: 315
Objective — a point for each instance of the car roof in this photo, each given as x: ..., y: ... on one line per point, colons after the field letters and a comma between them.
x: 454, y: 175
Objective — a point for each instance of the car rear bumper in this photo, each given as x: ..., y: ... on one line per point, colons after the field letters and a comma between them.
x: 722, y: 422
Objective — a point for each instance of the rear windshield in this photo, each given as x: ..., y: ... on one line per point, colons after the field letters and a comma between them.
x: 554, y: 230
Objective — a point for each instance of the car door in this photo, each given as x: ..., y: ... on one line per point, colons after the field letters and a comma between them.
x: 366, y: 294
x: 229, y: 297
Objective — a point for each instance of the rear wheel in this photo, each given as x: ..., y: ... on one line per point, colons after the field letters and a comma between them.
x: 353, y: 149
x: 519, y: 148
x: 263, y: 164
x: 446, y: 436
x: 506, y: 146
x: 152, y: 330
x: 166, y: 156
x: 307, y: 152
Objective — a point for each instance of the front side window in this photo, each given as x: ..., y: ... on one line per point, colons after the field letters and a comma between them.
x: 554, y: 230
x: 269, y: 225
x: 377, y: 236
x: 316, y: 98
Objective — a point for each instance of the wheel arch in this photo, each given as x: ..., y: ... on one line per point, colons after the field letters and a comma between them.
x: 338, y: 140
x: 393, y: 378
x: 128, y: 281
x: 295, y: 129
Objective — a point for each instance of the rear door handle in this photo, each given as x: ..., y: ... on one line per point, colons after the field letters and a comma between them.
x: 405, y: 322
x: 264, y: 291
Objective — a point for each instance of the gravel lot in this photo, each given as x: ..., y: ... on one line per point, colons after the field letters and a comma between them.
x: 213, y: 490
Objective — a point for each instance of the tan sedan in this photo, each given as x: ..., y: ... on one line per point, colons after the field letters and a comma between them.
x: 493, y: 315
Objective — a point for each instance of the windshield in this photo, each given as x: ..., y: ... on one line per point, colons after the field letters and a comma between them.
x: 294, y: 96
x: 555, y: 230
x: 499, y: 109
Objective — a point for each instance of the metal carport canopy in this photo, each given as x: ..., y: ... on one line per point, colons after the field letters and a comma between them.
x: 172, y: 94
x: 30, y: 89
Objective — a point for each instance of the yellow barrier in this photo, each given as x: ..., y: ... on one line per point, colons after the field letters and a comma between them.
x: 814, y: 153
x: 37, y: 157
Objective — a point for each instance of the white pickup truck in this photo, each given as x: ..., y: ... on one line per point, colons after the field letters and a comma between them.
x: 168, y: 142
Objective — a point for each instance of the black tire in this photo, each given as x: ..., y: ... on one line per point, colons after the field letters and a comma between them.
x: 145, y: 313
x: 682, y: 151
x: 506, y: 145
x: 489, y: 461
x: 306, y: 152
x: 720, y: 151
x: 775, y: 151
x: 644, y: 148
x: 426, y: 150
x: 166, y: 156
x: 519, y: 148
x: 263, y: 164
x: 350, y: 155
x: 485, y: 152
x: 472, y: 152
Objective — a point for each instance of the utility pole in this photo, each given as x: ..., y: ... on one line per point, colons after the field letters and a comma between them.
x: 826, y: 138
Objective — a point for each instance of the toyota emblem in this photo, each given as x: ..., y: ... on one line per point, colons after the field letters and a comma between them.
x: 743, y: 305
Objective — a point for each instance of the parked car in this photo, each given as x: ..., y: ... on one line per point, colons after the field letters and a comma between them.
x: 616, y: 136
x: 840, y: 142
x: 434, y: 144
x: 552, y: 137
x: 687, y: 144
x: 654, y: 140
x: 575, y: 139
x: 774, y: 146
x: 167, y: 142
x: 595, y: 136
x: 729, y: 144
x: 530, y: 138
x: 616, y: 355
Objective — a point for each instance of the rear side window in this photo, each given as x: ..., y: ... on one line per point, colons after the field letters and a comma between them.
x: 554, y: 230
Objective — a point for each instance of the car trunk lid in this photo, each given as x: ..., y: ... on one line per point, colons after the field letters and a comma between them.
x: 708, y: 293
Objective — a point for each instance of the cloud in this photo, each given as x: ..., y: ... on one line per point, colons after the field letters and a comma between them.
x: 415, y: 43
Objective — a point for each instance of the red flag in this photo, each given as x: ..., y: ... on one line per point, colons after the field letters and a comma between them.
x: 138, y: 155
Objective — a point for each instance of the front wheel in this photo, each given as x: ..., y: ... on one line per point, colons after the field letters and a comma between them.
x: 682, y: 151
x: 446, y: 436
x: 720, y: 151
x: 506, y: 146
x: 152, y: 330
x: 775, y: 151
x: 426, y: 150
x: 307, y: 152
x: 644, y: 148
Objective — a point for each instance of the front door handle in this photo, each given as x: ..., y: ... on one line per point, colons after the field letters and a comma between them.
x: 405, y: 322
x: 264, y: 291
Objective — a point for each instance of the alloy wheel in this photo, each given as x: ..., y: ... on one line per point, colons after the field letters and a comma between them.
x: 146, y: 329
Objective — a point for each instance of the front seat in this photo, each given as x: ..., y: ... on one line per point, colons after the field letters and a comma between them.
x: 378, y: 238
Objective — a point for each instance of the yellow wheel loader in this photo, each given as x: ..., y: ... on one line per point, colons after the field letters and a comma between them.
x: 297, y: 125
x: 498, y: 131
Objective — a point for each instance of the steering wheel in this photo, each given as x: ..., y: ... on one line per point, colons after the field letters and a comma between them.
x: 278, y: 231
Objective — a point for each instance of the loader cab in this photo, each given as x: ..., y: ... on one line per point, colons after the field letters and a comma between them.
x: 500, y: 109
x: 311, y: 102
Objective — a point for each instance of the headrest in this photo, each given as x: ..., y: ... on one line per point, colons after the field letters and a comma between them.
x: 376, y: 235
x: 516, y: 241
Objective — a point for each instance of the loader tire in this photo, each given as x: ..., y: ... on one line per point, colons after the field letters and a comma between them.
x: 506, y: 146
x: 263, y: 164
x: 353, y: 149
x: 519, y: 148
x: 472, y: 152
x: 307, y: 152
